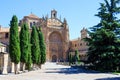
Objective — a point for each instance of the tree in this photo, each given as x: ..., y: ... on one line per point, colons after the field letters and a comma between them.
x: 14, y: 45
x: 104, y: 41
x: 29, y: 61
x: 24, y: 45
x: 70, y: 59
x: 35, y: 49
x: 77, y: 59
x: 42, y: 46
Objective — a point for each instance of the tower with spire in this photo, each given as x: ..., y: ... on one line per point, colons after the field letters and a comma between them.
x: 55, y: 32
x: 53, y: 14
x: 83, y: 33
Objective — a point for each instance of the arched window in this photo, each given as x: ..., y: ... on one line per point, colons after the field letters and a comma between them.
x: 80, y: 44
x: 34, y: 23
x: 6, y: 35
x: 31, y: 24
x: 54, y: 15
x: 75, y: 45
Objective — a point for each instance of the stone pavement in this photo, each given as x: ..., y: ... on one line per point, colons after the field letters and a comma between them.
x: 51, y: 71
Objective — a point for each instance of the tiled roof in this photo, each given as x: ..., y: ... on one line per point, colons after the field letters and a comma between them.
x: 33, y: 16
x: 2, y: 29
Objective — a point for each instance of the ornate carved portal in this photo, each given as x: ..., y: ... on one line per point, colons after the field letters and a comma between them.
x: 55, y: 47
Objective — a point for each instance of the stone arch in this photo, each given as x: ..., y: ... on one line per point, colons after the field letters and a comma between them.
x: 55, y: 37
x: 55, y: 46
x: 54, y: 58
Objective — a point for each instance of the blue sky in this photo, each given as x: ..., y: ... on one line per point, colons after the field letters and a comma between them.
x: 79, y: 13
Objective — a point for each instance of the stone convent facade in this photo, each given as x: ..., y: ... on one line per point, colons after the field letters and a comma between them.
x: 80, y: 45
x: 55, y: 31
x: 56, y: 34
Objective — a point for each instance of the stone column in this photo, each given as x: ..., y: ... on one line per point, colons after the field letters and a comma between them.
x: 47, y: 51
x: 12, y: 67
x: 5, y: 63
x: 18, y: 66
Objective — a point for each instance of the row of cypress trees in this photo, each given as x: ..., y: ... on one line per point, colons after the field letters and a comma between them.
x: 25, y: 47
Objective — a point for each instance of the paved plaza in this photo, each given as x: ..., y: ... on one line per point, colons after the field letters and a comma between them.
x: 52, y: 71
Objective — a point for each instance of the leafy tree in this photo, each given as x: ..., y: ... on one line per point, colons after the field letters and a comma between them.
x: 42, y: 46
x: 104, y: 41
x: 24, y: 44
x: 14, y: 45
x: 35, y: 49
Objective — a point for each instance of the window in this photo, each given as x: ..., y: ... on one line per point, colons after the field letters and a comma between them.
x: 34, y: 23
x: 80, y: 44
x: 31, y: 24
x: 54, y: 15
x: 6, y: 35
x: 75, y: 45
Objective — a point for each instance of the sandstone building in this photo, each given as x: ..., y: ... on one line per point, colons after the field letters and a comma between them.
x: 56, y: 34
x: 80, y: 45
x: 55, y: 31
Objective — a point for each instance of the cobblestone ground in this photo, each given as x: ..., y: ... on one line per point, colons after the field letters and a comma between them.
x: 51, y: 71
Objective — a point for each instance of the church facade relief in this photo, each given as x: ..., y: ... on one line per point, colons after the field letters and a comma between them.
x: 55, y: 46
x: 56, y: 38
x: 55, y: 33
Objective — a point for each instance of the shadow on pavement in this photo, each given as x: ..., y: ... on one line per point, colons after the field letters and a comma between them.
x: 70, y: 71
x: 113, y: 78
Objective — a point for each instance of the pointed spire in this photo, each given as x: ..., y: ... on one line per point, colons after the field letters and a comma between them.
x: 46, y: 17
x: 84, y: 29
x: 65, y: 21
x: 43, y: 18
x: 60, y: 17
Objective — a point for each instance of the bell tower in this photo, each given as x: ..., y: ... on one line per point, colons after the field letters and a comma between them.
x: 83, y: 33
x: 53, y: 14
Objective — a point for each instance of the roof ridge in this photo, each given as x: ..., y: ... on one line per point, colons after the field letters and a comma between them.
x: 33, y: 15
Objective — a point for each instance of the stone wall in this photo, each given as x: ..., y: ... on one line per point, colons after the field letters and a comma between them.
x: 80, y: 45
x: 4, y: 63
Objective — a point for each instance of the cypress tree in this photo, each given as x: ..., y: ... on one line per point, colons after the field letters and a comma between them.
x: 70, y: 59
x: 73, y: 59
x: 77, y: 59
x: 29, y: 61
x: 35, y: 49
x: 14, y: 45
x: 104, y: 41
x: 24, y: 45
x: 42, y: 46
